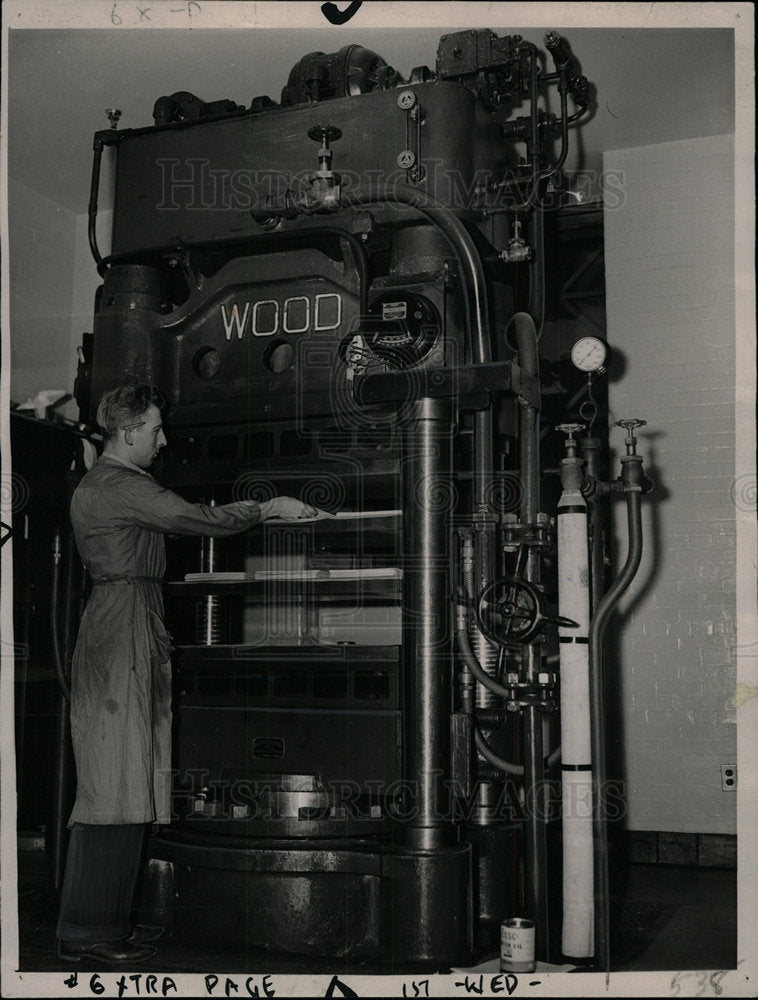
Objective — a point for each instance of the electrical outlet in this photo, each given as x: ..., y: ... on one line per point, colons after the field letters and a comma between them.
x: 728, y: 777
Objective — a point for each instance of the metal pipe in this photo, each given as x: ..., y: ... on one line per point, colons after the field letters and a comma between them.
x: 54, y: 610
x: 485, y: 539
x: 463, y: 248
x: 563, y: 89
x: 476, y: 651
x: 529, y: 471
x: 472, y: 664
x: 566, y: 85
x: 500, y: 762
x: 483, y: 461
x: 494, y: 758
x: 475, y: 294
x: 92, y: 208
x: 471, y: 661
x: 591, y: 455
x: 598, y: 625
x: 536, y: 307
x: 427, y: 468
x: 61, y: 805
x: 535, y: 846
x: 63, y: 770
x: 533, y: 144
x: 68, y: 594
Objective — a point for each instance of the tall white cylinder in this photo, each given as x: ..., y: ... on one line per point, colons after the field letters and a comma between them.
x: 576, y: 756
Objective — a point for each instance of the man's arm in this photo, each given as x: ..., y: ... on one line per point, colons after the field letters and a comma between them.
x: 152, y: 506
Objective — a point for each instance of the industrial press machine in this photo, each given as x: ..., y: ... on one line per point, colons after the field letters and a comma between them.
x: 342, y: 297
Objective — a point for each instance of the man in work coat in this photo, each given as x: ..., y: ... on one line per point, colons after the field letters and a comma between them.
x: 121, y: 672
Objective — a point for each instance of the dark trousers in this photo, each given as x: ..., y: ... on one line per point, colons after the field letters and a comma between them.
x: 98, y: 887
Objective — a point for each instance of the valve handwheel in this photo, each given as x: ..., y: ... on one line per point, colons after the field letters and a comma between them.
x: 511, y: 610
x: 324, y: 134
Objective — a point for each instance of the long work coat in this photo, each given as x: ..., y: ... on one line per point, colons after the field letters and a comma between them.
x: 121, y: 674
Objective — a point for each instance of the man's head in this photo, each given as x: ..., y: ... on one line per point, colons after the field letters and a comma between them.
x: 130, y: 419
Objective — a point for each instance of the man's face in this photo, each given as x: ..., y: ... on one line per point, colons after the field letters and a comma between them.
x: 145, y: 438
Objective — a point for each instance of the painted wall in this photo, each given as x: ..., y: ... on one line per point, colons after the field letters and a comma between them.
x: 41, y: 252
x: 670, y: 306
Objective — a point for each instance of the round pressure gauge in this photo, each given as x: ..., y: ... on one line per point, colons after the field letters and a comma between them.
x: 591, y: 355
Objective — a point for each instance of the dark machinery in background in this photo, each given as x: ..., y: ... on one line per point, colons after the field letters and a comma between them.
x: 367, y: 739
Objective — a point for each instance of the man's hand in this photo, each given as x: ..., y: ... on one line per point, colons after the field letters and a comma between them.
x: 286, y: 508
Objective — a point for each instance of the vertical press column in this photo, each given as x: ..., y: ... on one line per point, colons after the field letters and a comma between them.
x: 426, y: 622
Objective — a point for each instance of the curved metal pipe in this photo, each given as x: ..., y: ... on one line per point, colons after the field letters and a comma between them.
x: 500, y: 762
x: 470, y: 265
x: 494, y: 758
x: 467, y: 655
x: 532, y: 198
x: 526, y: 341
x: 577, y: 114
x: 597, y: 630
x: 564, y: 134
x: 92, y: 209
x: 463, y: 248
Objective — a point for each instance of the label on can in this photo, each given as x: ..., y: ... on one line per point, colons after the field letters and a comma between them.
x: 517, y: 945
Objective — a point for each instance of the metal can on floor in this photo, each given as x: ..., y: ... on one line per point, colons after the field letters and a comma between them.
x: 517, y: 945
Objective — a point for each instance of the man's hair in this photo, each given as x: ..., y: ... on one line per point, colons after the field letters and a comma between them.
x: 123, y: 407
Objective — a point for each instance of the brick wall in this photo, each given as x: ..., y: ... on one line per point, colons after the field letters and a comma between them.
x: 670, y: 305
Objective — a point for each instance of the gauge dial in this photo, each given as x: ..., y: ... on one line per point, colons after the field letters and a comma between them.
x: 406, y: 100
x: 590, y: 354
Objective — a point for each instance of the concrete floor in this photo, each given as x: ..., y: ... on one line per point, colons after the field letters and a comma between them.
x: 663, y: 918
x: 701, y: 933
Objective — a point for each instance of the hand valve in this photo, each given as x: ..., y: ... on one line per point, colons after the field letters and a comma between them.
x: 630, y: 426
x: 511, y: 610
x: 517, y: 249
x: 571, y: 430
x: 324, y: 134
